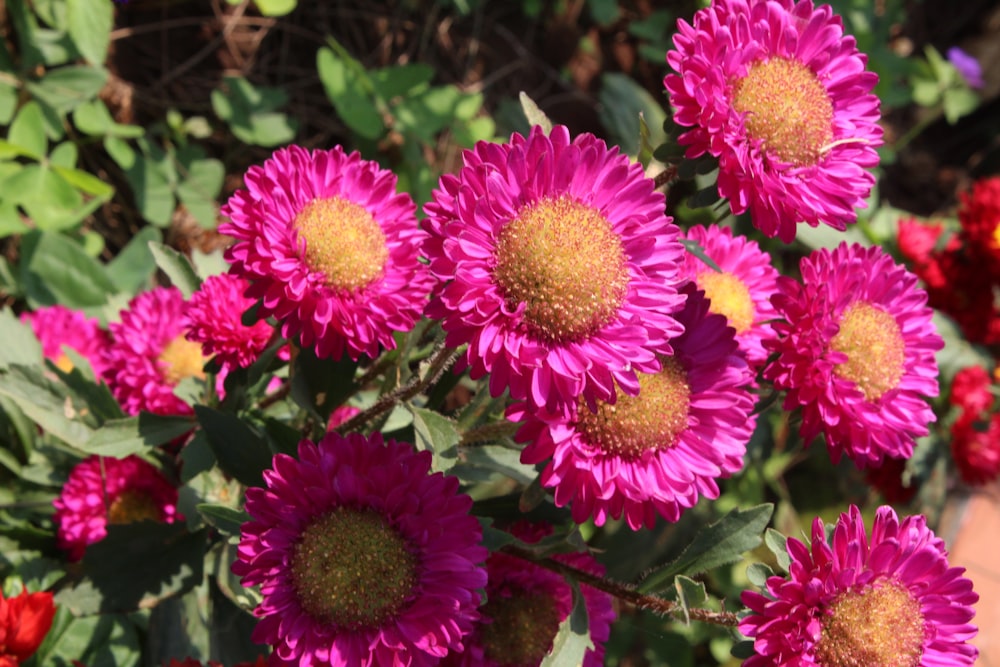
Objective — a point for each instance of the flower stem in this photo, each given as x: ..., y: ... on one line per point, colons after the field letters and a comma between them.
x: 627, y: 592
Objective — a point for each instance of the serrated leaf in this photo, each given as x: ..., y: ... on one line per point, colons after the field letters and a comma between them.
x: 239, y: 450
x: 119, y: 438
x: 437, y: 434
x: 721, y: 543
x: 177, y: 267
x: 534, y: 114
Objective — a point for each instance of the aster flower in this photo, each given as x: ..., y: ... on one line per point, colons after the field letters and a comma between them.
x: 102, y: 491
x: 970, y: 390
x: 58, y: 326
x: 741, y: 291
x: 888, y: 601
x: 213, y: 318
x: 778, y: 93
x: 975, y: 447
x: 150, y: 354
x: 658, y: 452
x: 561, y: 267
x: 979, y: 215
x: 25, y: 619
x: 362, y: 558
x: 330, y: 249
x: 525, y: 604
x: 856, y: 353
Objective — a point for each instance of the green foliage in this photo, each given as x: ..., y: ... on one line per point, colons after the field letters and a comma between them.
x: 251, y: 112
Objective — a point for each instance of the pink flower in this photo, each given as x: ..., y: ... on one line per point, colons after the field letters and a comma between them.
x: 525, y: 604
x: 780, y: 96
x: 101, y: 491
x: 856, y: 353
x: 330, y: 248
x: 213, y: 318
x: 658, y: 452
x: 741, y: 290
x: 58, y: 326
x: 561, y: 268
x: 150, y: 354
x: 888, y: 600
x: 970, y: 390
x: 362, y: 558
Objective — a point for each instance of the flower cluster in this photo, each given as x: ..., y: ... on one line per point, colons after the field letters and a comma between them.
x: 58, y: 327
x: 25, y: 619
x: 975, y: 435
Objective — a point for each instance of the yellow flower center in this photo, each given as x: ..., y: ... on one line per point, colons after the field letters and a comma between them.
x: 64, y: 363
x: 634, y: 424
x: 130, y: 507
x: 521, y: 630
x: 729, y: 296
x: 876, y: 352
x: 353, y: 570
x: 996, y: 236
x: 787, y: 108
x: 880, y: 626
x: 565, y: 262
x: 182, y: 359
x: 343, y: 241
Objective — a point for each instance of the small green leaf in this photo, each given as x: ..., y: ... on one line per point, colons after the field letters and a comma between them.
x: 959, y: 102
x: 202, y: 181
x: 721, y: 543
x: 55, y: 269
x: 86, y: 182
x: 132, y: 268
x: 28, y: 131
x: 758, y: 574
x: 604, y: 12
x: 46, y: 402
x: 534, y: 115
x: 89, y: 23
x: 572, y: 641
x: 776, y: 542
x: 131, y: 435
x: 437, y: 434
x: 66, y: 88
x: 398, y: 80
x: 240, y: 451
x: 276, y: 7
x: 177, y: 267
x: 227, y: 519
x: 151, y: 186
x: 350, y: 92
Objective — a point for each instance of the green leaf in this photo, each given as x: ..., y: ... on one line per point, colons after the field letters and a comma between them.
x: 197, y: 457
x: 533, y: 114
x: 320, y: 385
x: 20, y: 346
x: 28, y: 131
x: 350, y: 91
x: 275, y: 7
x: 89, y: 23
x: 959, y: 102
x: 177, y: 267
x: 119, y: 438
x: 132, y: 268
x: 202, y: 181
x: 437, y: 434
x: 689, y: 593
x: 95, y: 641
x: 96, y: 397
x: 227, y: 520
x: 695, y: 249
x: 55, y: 269
x: 572, y: 641
x: 398, y: 80
x: 758, y: 574
x: 721, y: 543
x: 604, y: 12
x: 148, y: 176
x: 251, y: 113
x: 136, y: 566
x: 8, y: 103
x: 46, y: 197
x: 45, y: 402
x: 86, y: 182
x: 240, y: 451
x: 775, y: 542
x: 66, y: 88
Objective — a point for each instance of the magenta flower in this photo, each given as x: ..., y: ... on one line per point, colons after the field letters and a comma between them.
x: 856, y: 353
x: 101, y: 491
x: 330, y: 248
x: 525, y: 604
x: 780, y: 96
x: 362, y: 558
x: 741, y: 291
x: 561, y: 268
x: 888, y: 601
x: 58, y: 326
x: 150, y: 354
x: 658, y: 452
x: 213, y: 318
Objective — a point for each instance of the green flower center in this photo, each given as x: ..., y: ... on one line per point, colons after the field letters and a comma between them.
x: 880, y: 626
x: 343, y: 241
x: 522, y: 628
x: 181, y: 359
x: 787, y: 108
x: 634, y: 424
x: 352, y: 570
x: 729, y: 296
x: 563, y: 259
x: 876, y: 352
x: 130, y: 507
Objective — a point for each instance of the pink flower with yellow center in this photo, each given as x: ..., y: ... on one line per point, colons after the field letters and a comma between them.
x: 657, y: 452
x: 213, y: 318
x: 150, y: 354
x: 856, y: 353
x: 525, y: 604
x: 363, y: 558
x: 102, y: 491
x: 778, y: 93
x: 890, y: 600
x: 57, y: 327
x: 741, y: 290
x: 560, y: 268
x: 330, y: 248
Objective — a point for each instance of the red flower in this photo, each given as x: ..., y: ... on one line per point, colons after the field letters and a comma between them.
x: 24, y: 621
x: 979, y: 215
x: 888, y: 480
x: 975, y: 447
x: 970, y: 390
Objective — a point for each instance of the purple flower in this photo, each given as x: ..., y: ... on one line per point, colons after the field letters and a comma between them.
x: 967, y: 66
